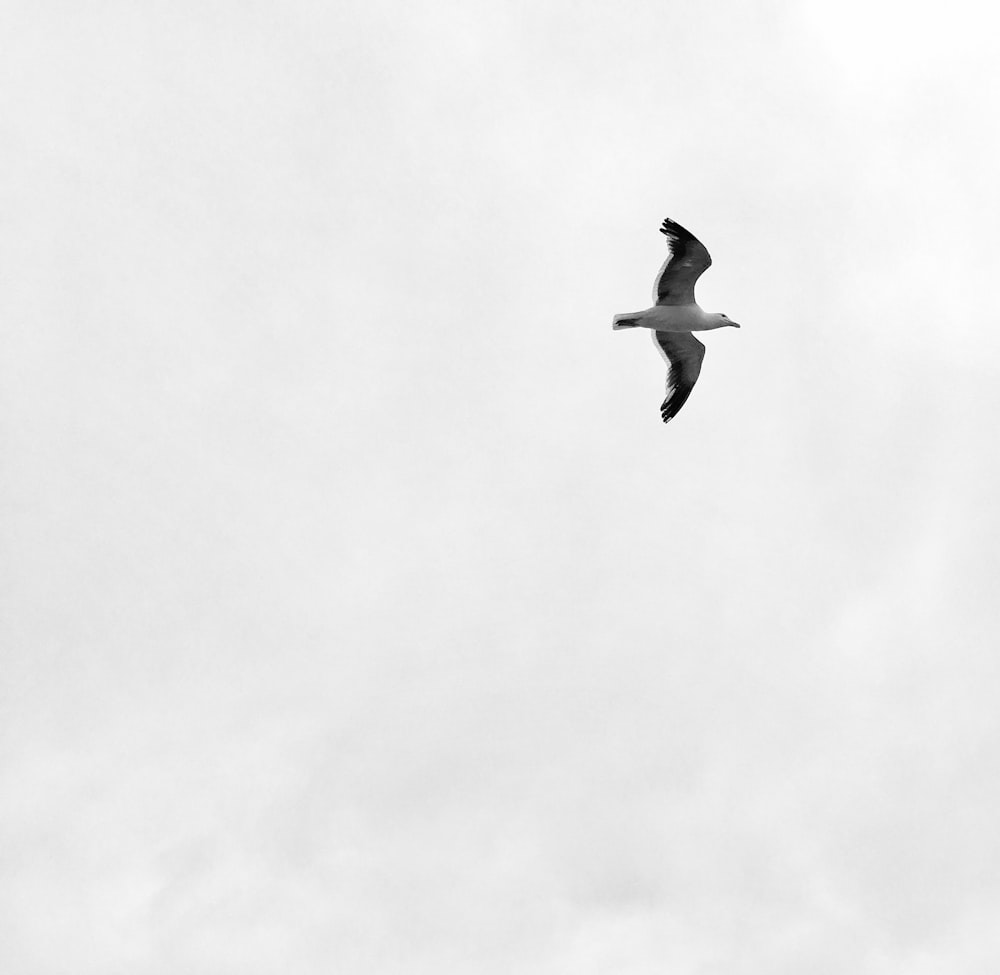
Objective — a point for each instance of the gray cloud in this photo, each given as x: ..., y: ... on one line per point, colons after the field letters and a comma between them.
x: 358, y: 610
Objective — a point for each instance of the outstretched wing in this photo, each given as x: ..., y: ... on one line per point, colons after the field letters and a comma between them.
x: 683, y: 353
x: 688, y: 259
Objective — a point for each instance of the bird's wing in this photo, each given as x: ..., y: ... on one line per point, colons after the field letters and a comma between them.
x: 688, y: 259
x: 683, y: 353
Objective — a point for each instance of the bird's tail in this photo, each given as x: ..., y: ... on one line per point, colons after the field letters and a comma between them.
x: 628, y: 320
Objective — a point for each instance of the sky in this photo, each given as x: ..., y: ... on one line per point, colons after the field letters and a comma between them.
x: 357, y: 612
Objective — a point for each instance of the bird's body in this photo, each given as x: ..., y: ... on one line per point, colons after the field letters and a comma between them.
x: 670, y: 318
x: 676, y: 315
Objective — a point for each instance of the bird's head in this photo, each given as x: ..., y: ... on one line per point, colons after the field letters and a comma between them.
x: 725, y: 320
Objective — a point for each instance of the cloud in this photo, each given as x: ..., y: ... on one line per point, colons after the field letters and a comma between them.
x: 360, y: 611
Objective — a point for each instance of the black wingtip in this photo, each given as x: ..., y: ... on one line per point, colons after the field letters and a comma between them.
x: 673, y: 230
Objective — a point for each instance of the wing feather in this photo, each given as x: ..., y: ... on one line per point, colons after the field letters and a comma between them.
x: 683, y: 354
x: 688, y: 259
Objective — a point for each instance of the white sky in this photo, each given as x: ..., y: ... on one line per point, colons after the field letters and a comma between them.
x: 359, y: 615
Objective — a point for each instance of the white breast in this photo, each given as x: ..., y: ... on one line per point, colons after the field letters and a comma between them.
x: 676, y: 318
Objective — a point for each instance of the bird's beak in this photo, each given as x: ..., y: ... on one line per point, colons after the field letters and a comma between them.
x: 735, y: 324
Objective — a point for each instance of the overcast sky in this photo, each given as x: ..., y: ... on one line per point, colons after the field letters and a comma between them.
x: 359, y: 614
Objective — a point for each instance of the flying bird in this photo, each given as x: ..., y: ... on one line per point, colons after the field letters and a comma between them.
x: 676, y: 315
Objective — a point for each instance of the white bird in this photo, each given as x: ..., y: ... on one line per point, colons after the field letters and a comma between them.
x: 676, y: 315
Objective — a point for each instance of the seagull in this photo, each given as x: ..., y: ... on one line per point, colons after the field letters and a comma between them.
x: 676, y: 315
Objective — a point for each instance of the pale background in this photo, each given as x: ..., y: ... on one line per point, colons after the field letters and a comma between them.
x: 359, y: 615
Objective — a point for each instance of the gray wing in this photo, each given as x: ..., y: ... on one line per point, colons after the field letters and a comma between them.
x: 683, y: 353
x: 688, y: 259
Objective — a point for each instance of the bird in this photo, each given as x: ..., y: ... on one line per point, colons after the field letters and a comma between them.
x: 676, y: 315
